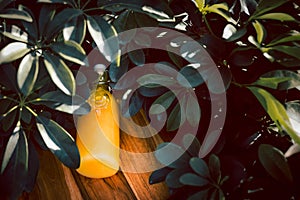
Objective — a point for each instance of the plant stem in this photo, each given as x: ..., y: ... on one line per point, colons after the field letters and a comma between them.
x: 86, y: 3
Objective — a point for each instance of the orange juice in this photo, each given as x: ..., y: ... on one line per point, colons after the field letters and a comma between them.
x: 98, y: 136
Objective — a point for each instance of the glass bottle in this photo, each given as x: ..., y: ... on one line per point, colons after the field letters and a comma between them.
x: 98, y: 134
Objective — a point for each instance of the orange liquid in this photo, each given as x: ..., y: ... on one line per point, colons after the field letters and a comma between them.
x: 98, y: 137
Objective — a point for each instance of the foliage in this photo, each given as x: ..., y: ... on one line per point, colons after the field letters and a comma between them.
x: 254, y: 44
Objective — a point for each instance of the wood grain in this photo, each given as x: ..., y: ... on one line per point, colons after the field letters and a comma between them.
x: 57, y: 181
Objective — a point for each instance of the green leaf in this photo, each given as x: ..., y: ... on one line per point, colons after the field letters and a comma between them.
x: 162, y: 103
x: 71, y: 51
x: 10, y: 118
x: 69, y: 2
x: 159, y: 175
x: 193, y: 180
x: 189, y: 77
x: 15, y: 33
x: 275, y: 110
x: 144, y: 20
x: 12, y: 13
x: 277, y: 16
x: 260, y: 31
x: 116, y: 72
x: 275, y: 163
x: 293, y: 112
x: 203, y: 194
x: 46, y: 16
x: 13, y: 51
x: 293, y: 51
x: 170, y: 154
x: 155, y: 80
x: 60, y: 20
x: 60, y: 74
x: 143, y: 40
x: 27, y: 73
x: 191, y: 144
x: 290, y: 38
x: 26, y: 116
x: 105, y: 37
x: 293, y: 82
x: 267, y: 5
x: 193, y: 112
x: 199, y: 166
x: 137, y: 56
x: 15, y: 174
x: 173, y: 178
x: 75, y: 29
x: 175, y: 119
x: 271, y: 82
x: 214, y: 168
x: 59, y: 141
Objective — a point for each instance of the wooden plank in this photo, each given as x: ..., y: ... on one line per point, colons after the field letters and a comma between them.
x: 139, y: 182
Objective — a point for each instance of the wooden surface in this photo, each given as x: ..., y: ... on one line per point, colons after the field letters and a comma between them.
x: 55, y: 181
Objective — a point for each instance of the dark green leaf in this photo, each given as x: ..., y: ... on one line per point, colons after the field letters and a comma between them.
x: 27, y: 73
x: 14, y: 177
x: 5, y: 3
x: 290, y: 38
x: 105, y: 36
x: 275, y: 163
x: 26, y: 116
x: 33, y: 167
x: 6, y: 105
x: 59, y: 141
x: 10, y: 118
x: 60, y: 74
x: 193, y: 111
x: 135, y: 105
x: 12, y: 13
x: 144, y: 20
x: 191, y: 144
x: 116, y: 72
x: 142, y: 40
x: 209, y: 142
x: 60, y: 20
x: 75, y: 29
x: 155, y: 79
x: 162, y: 103
x: 13, y: 51
x: 69, y: 2
x: 199, y: 166
x: 167, y: 153
x: 267, y: 5
x: 8, y: 78
x: 30, y: 27
x: 70, y: 51
x: 136, y: 56
x: 173, y: 178
x: 151, y: 90
x: 189, y: 77
x: 175, y: 119
x: 15, y: 33
x: 159, y: 175
x: 193, y: 180
x: 199, y: 195
x: 214, y: 168
x: 46, y: 15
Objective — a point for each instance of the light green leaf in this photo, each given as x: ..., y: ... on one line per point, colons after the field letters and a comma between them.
x: 27, y: 73
x: 271, y: 82
x: 15, y: 33
x: 59, y: 141
x: 293, y: 51
x: 199, y: 166
x: 200, y: 4
x: 13, y: 51
x: 275, y: 110
x: 60, y: 74
x: 71, y: 51
x: 277, y: 16
x: 291, y: 38
x: 275, y: 163
x: 193, y: 180
x: 193, y: 111
x: 12, y: 13
x: 260, y: 31
x: 162, y: 103
x: 105, y: 37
